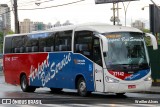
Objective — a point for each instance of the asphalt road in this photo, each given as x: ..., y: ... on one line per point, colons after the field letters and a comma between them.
x: 70, y: 98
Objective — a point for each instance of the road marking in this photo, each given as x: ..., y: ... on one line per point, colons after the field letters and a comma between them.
x: 97, y: 105
x: 85, y: 105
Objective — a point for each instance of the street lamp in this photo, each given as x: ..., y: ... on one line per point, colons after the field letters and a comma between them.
x: 144, y: 7
x: 125, y: 10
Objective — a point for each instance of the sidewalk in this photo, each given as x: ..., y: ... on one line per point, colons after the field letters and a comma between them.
x: 154, y: 90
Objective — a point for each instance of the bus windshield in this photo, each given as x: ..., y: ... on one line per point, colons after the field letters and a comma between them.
x: 126, y: 51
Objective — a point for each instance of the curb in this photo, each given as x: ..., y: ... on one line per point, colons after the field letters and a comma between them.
x: 147, y: 92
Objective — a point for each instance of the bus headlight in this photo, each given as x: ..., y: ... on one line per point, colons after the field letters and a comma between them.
x: 148, y: 78
x: 111, y: 80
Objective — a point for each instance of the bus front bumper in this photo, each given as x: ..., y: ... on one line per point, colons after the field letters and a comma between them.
x: 128, y: 87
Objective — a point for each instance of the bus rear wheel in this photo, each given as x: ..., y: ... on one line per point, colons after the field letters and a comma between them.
x: 24, y: 85
x: 82, y: 89
x: 56, y: 90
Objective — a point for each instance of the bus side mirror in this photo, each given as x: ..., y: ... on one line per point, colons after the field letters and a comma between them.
x: 153, y: 40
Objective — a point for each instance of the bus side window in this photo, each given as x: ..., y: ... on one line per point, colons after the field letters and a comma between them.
x: 42, y: 44
x: 28, y: 44
x: 18, y: 44
x: 8, y: 45
x: 63, y: 41
x: 83, y: 43
x: 46, y: 42
x: 31, y: 44
x: 50, y: 43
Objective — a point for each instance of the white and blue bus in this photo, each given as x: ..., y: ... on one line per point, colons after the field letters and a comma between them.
x: 87, y: 57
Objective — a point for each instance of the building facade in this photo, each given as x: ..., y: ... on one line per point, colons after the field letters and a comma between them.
x: 37, y: 26
x: 5, y: 17
x: 1, y: 24
x: 138, y: 24
x: 26, y: 26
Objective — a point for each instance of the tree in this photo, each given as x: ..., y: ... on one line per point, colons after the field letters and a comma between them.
x: 159, y: 39
x: 146, y: 30
x: 1, y: 42
x: 1, y: 39
x: 10, y: 32
x: 147, y: 39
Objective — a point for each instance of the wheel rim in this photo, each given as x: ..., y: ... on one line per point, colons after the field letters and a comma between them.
x: 82, y: 87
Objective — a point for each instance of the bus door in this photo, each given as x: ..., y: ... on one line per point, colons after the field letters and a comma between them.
x: 98, y: 69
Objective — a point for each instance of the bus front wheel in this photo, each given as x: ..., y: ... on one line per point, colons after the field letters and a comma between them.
x: 24, y: 85
x: 82, y: 90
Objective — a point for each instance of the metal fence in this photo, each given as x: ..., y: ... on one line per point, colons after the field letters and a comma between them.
x: 154, y: 56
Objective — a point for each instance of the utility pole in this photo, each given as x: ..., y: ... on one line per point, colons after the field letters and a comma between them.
x: 115, y: 18
x: 118, y: 20
x: 155, y: 4
x: 156, y: 34
x: 16, y: 17
x: 114, y: 13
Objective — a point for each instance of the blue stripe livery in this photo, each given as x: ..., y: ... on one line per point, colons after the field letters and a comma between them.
x: 61, y: 71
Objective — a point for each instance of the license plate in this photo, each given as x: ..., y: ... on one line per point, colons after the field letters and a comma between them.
x: 131, y: 86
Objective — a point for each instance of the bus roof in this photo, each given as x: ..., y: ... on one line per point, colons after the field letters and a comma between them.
x: 98, y: 27
x: 104, y: 28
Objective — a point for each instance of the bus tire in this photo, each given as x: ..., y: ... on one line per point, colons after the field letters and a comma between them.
x: 24, y: 85
x: 82, y: 89
x: 56, y: 90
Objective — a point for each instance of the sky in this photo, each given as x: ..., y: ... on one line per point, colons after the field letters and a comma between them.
x: 81, y: 12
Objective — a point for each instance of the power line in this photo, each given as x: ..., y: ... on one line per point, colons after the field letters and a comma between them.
x: 54, y: 6
x: 38, y: 3
x: 46, y: 7
x: 30, y: 2
x: 46, y: 1
x: 27, y: 3
x: 24, y: 5
x: 8, y: 2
